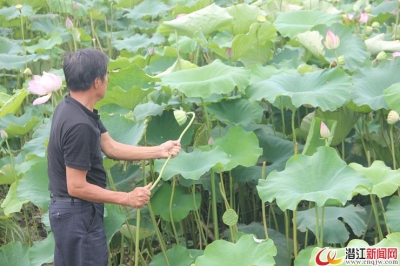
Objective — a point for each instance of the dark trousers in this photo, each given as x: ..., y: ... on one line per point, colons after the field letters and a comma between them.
x: 79, y: 235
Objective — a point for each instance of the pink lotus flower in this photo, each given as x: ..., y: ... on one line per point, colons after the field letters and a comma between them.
x: 396, y: 54
x: 324, y: 131
x: 68, y: 23
x: 44, y: 86
x: 332, y: 41
x: 363, y: 18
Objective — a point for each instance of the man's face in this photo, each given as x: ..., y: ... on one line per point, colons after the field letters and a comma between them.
x: 102, y: 86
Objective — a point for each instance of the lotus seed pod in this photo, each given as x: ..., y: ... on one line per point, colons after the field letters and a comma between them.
x: 368, y: 30
x: 19, y: 6
x: 180, y: 116
x: 28, y: 71
x: 392, y: 117
x: 375, y: 24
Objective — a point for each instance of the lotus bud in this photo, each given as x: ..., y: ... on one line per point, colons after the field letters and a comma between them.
x: 180, y: 116
x: 393, y: 117
x: 375, y: 24
x: 324, y: 131
x: 68, y: 23
x: 229, y: 52
x: 75, y: 5
x: 3, y: 134
x: 341, y: 60
x: 210, y: 141
x: 28, y: 71
x: 381, y: 56
x: 332, y: 41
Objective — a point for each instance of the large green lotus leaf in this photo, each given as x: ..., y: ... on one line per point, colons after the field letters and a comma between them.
x: 317, y: 178
x: 43, y: 44
x: 148, y: 109
x: 12, y: 12
x: 345, y: 118
x: 303, y: 258
x: 130, y: 76
x: 12, y: 203
x: 246, y: 251
x: 314, y: 139
x: 113, y: 220
x: 393, y: 213
x: 14, y: 254
x: 280, y: 240
x: 327, y: 89
x: 258, y: 35
x: 244, y: 15
x: 137, y: 42
x: 192, y: 165
x: 352, y: 47
x: 370, y: 84
x: 34, y: 185
x: 177, y: 256
x: 164, y: 127
x: 147, y: 8
x: 208, y: 20
x: 127, y: 99
x: 10, y: 62
x: 385, y: 181
x: 203, y: 81
x: 290, y: 24
x: 18, y: 125
x: 38, y: 144
x: 312, y: 41
x: 129, y: 231
x: 9, y: 46
x: 122, y: 129
x: 180, y: 64
x: 7, y: 174
x: 392, y: 97
x: 4, y: 97
x: 334, y: 222
x: 14, y: 103
x: 182, y: 203
x: 241, y: 147
x: 42, y: 251
x: 276, y: 152
x: 237, y: 111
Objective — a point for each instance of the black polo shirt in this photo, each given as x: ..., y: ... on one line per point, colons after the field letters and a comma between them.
x: 74, y: 142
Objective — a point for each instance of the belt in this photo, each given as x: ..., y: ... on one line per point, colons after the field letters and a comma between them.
x: 66, y: 199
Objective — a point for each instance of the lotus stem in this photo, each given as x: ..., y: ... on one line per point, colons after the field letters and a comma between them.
x: 263, y: 204
x: 169, y: 157
x: 392, y: 146
x: 375, y: 209
x: 137, y: 238
x: 295, y: 233
x: 214, y: 205
x: 317, y: 227
x: 170, y: 210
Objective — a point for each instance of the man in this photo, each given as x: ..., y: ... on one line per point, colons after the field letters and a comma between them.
x: 75, y: 168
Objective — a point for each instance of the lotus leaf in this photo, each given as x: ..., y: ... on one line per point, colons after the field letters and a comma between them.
x: 327, y: 89
x: 204, y: 81
x: 317, y: 178
x: 247, y: 251
x: 335, y: 231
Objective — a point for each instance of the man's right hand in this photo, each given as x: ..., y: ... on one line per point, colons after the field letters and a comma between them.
x: 139, y: 197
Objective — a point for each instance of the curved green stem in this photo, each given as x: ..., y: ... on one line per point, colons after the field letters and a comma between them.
x: 214, y: 205
x: 169, y: 157
x: 171, y: 200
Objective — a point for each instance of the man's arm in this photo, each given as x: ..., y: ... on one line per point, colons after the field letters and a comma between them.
x: 119, y: 151
x: 78, y: 187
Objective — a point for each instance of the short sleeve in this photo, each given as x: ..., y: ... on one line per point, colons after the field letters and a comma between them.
x: 80, y: 143
x: 102, y: 128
